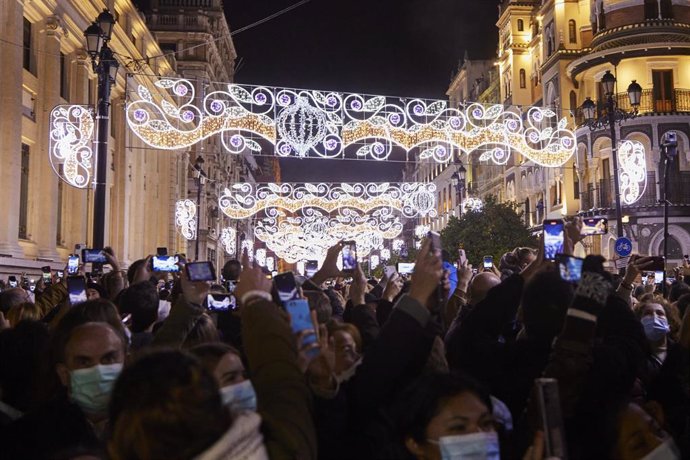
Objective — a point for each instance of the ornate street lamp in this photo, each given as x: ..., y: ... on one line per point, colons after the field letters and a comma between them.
x: 106, y: 66
x: 612, y: 116
x: 200, y: 179
x: 458, y: 181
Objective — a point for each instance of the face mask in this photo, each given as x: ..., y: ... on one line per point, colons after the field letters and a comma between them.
x: 239, y: 397
x: 91, y: 388
x: 655, y: 327
x: 475, y: 446
x: 667, y: 450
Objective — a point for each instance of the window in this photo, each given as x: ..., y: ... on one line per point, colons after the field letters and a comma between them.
x: 572, y: 31
x: 27, y: 56
x: 523, y: 79
x: 663, y: 90
x: 666, y: 9
x: 64, y: 81
x: 520, y: 25
x: 573, y: 101
x: 24, y: 194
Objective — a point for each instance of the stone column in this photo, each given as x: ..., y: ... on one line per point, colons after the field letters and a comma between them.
x: 11, y: 58
x: 49, y: 77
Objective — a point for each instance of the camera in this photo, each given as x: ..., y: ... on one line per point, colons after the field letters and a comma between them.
x: 669, y: 142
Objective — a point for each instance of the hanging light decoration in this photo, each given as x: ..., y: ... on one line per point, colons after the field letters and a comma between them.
x: 185, y: 218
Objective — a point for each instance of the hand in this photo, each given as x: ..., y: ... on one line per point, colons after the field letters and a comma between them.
x: 464, y: 276
x: 306, y: 353
x: 329, y: 269
x: 251, y: 278
x: 112, y: 260
x: 195, y: 292
x: 143, y: 273
x: 393, y: 287
x: 536, y: 450
x: 537, y: 264
x: 427, y: 274
x: 359, y: 286
x: 635, y: 267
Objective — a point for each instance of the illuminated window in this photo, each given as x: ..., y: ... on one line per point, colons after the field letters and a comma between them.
x: 572, y: 31
x: 520, y: 25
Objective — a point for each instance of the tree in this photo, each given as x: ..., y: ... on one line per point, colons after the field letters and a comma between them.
x: 493, y: 231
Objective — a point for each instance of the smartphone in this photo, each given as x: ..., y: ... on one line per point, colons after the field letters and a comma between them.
x: 12, y: 281
x: 161, y: 251
x: 300, y: 319
x: 165, y: 264
x: 488, y: 262
x: 389, y: 271
x: 76, y: 288
x: 658, y: 277
x: 46, y: 275
x: 594, y: 226
x: 405, y: 268
x: 569, y: 267
x: 94, y: 256
x: 200, y: 271
x: 286, y: 286
x: 310, y: 268
x: 59, y: 274
x: 657, y: 264
x: 435, y: 238
x: 349, y: 256
x: 551, y: 418
x: 462, y: 257
x: 72, y: 264
x: 220, y: 302
x: 553, y: 238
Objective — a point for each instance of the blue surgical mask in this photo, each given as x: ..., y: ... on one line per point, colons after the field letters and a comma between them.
x: 655, y: 327
x: 667, y: 450
x: 90, y: 388
x: 475, y: 446
x: 239, y: 397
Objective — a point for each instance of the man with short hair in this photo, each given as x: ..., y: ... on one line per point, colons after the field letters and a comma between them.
x: 141, y: 301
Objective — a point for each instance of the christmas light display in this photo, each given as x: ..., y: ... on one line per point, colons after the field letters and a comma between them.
x: 271, y: 263
x: 385, y: 254
x: 306, y: 123
x: 373, y: 261
x: 398, y: 245
x: 632, y: 172
x: 185, y: 218
x: 416, y: 199
x: 420, y: 231
x: 248, y: 247
x: 228, y: 239
x: 260, y: 257
x: 69, y: 147
x: 472, y: 204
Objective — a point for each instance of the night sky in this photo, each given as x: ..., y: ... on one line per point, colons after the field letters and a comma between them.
x: 389, y: 47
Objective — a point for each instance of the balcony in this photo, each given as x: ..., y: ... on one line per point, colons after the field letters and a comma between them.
x: 678, y: 101
x: 641, y: 33
x: 604, y: 195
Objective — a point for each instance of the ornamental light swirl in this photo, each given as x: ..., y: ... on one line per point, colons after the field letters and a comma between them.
x: 304, y: 123
x: 185, y: 218
x: 71, y: 137
x: 228, y: 239
x: 632, y: 171
x: 244, y: 200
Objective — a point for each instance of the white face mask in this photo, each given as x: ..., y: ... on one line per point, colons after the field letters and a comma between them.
x: 475, y: 446
x: 239, y: 397
x: 667, y: 450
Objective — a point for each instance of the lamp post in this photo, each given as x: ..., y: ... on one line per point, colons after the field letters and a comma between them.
x: 612, y: 116
x: 458, y: 181
x: 200, y: 177
x: 669, y: 147
x: 104, y: 64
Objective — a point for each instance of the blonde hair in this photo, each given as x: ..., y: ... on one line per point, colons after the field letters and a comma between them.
x: 26, y: 310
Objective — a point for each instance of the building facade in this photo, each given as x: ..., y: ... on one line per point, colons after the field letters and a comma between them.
x: 45, y: 64
x: 553, y: 53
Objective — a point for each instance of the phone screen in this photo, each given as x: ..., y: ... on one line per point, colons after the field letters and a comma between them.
x: 94, y: 256
x: 349, y: 256
x: 72, y: 265
x: 310, y: 268
x: 76, y: 287
x: 220, y: 302
x: 658, y: 277
x: 488, y: 262
x: 60, y: 274
x: 570, y: 268
x: 595, y: 226
x: 389, y: 270
x: 200, y: 271
x: 286, y: 286
x: 435, y: 238
x: 165, y: 264
x: 553, y: 238
x: 462, y: 257
x: 47, y: 279
x: 405, y: 268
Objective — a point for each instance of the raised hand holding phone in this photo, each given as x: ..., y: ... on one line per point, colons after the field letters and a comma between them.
x: 427, y: 274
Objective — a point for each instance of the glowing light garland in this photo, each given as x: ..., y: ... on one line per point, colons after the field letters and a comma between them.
x: 385, y: 254
x: 416, y: 199
x: 185, y: 218
x: 228, y: 238
x: 248, y: 246
x: 71, y: 136
x: 420, y: 231
x: 398, y: 245
x: 260, y: 257
x: 317, y: 123
x: 373, y: 261
x: 271, y: 263
x: 632, y: 172
x: 472, y: 204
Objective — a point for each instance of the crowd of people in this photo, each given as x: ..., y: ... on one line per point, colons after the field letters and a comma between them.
x: 512, y: 362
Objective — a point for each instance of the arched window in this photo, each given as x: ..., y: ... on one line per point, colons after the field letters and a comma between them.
x: 666, y: 9
x: 573, y: 101
x: 651, y: 9
x: 523, y: 79
x: 572, y: 31
x: 520, y: 25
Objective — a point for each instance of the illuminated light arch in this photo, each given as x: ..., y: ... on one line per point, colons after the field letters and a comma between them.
x: 324, y: 124
x: 410, y: 199
x: 71, y: 137
x: 185, y: 218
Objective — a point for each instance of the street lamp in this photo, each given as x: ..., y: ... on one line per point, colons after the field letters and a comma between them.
x: 201, y: 177
x: 612, y: 116
x: 458, y: 181
x: 105, y: 66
